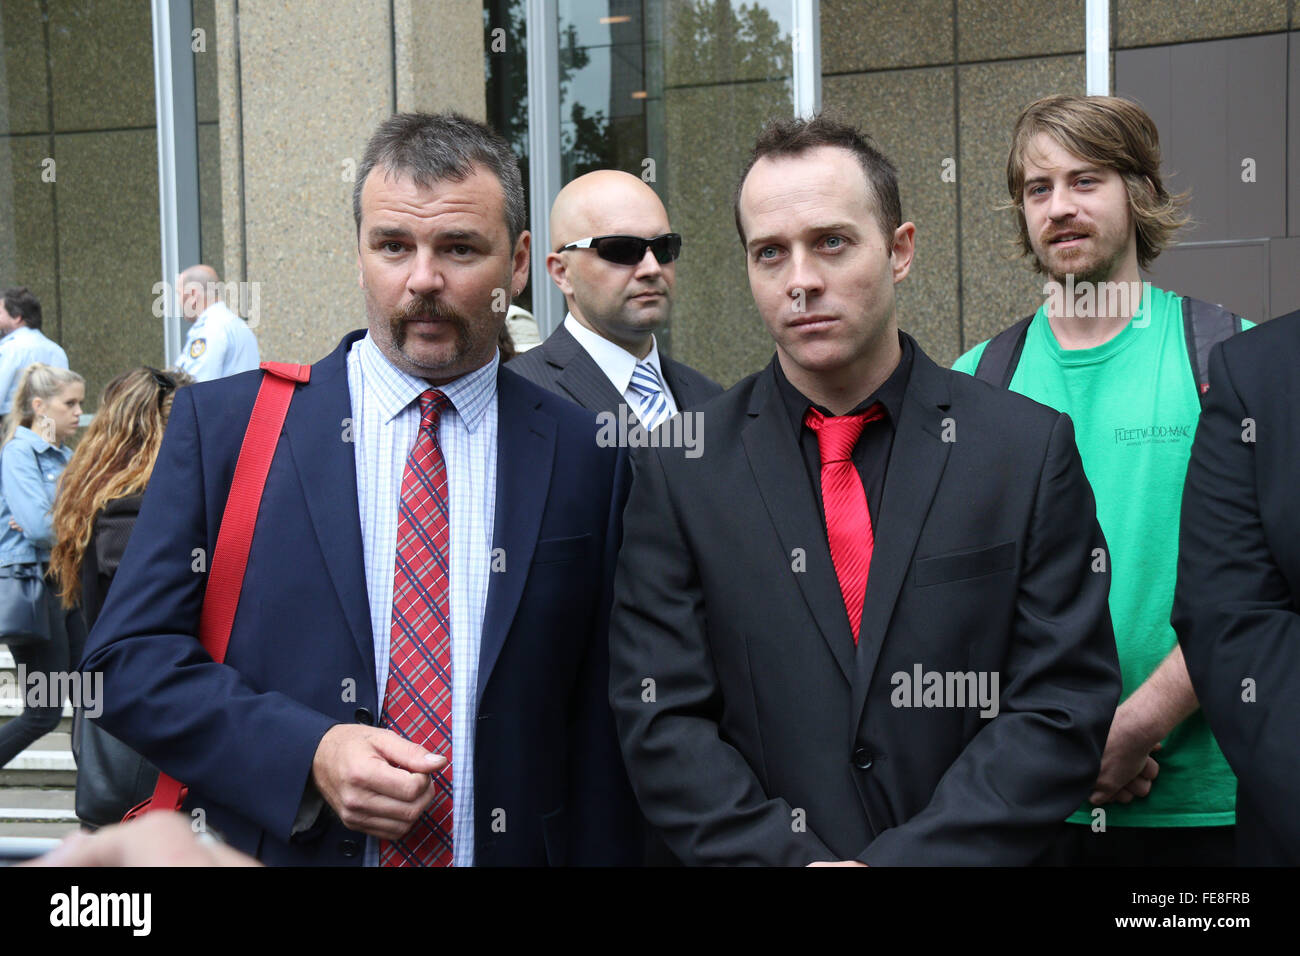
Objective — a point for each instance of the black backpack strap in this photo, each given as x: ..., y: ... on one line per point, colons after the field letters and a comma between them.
x: 1001, y: 356
x: 1204, y: 326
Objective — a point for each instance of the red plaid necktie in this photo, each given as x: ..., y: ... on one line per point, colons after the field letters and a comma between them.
x: 417, y: 702
x: 848, y: 522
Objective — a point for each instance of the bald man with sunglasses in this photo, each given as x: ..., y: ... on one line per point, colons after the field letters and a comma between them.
x: 615, y: 260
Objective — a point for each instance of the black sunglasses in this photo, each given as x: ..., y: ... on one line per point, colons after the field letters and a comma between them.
x: 629, y: 250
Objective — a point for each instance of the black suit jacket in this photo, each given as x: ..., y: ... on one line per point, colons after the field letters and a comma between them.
x: 755, y: 732
x: 1237, y: 604
x: 563, y: 366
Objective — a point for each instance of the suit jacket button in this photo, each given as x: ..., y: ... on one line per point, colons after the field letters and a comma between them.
x: 349, y: 847
x: 861, y: 759
x: 364, y: 716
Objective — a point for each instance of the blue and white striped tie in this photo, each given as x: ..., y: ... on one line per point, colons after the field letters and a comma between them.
x: 651, y: 400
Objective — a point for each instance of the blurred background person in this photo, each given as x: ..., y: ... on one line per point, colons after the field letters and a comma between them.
x: 219, y: 342
x: 97, y: 504
x: 46, y: 413
x: 23, y: 342
x: 523, y: 330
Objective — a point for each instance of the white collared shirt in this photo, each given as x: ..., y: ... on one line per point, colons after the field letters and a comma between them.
x: 385, y: 423
x: 618, y: 364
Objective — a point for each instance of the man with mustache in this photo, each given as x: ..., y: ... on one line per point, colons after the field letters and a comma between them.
x: 615, y: 259
x: 417, y: 670
x: 1127, y: 362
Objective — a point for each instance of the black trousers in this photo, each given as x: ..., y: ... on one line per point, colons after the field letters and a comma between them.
x: 1079, y: 845
x: 60, y: 654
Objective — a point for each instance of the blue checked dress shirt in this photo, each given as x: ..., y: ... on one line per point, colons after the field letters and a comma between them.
x: 385, y: 422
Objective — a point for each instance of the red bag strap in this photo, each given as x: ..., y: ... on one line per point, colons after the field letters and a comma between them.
x: 230, y: 557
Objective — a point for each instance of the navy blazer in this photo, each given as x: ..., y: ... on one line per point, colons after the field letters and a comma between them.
x: 550, y: 787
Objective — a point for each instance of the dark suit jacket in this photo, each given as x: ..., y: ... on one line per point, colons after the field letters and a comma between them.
x: 753, y: 730
x: 301, y: 655
x: 563, y: 366
x: 1237, y: 604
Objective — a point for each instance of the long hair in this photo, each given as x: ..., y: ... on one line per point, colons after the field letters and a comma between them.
x: 37, y: 381
x: 1111, y: 132
x: 113, y: 460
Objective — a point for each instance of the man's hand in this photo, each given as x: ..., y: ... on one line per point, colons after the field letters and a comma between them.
x: 155, y: 839
x: 375, y: 780
x: 15, y: 525
x: 1127, y: 767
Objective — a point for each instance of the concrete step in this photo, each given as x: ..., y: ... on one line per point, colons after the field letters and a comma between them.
x: 59, y: 740
x: 29, y: 815
x: 37, y: 757
x: 28, y: 776
x: 47, y: 763
x: 39, y: 798
x: 55, y: 830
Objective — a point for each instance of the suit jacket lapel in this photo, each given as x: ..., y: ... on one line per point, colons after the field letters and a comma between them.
x: 525, y: 454
x: 916, y: 464
x: 579, y: 375
x: 315, y: 427
x: 681, y: 390
x: 774, y: 457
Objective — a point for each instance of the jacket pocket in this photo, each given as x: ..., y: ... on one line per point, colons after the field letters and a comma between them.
x: 965, y: 564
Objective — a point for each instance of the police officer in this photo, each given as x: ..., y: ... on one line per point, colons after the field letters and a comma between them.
x: 219, y: 342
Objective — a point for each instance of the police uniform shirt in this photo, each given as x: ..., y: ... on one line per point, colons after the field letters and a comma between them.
x: 219, y: 343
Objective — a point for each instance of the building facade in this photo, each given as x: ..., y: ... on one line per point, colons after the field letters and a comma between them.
x: 137, y: 138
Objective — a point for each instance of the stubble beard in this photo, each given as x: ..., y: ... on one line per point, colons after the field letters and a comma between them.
x: 1099, y: 270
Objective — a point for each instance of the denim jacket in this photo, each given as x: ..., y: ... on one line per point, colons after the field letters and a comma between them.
x: 29, y: 467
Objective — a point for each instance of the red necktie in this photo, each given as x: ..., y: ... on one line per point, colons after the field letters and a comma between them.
x: 417, y: 702
x: 848, y: 522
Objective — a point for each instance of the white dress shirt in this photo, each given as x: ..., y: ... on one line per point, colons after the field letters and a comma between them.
x: 618, y: 364
x: 385, y: 423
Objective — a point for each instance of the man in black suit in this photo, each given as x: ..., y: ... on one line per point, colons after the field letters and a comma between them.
x: 773, y: 706
x: 618, y: 286
x: 1237, y: 602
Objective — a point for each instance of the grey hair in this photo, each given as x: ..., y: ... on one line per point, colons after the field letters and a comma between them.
x: 433, y: 147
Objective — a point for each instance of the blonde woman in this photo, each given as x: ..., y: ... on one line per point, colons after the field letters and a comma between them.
x: 98, y: 501
x: 46, y: 413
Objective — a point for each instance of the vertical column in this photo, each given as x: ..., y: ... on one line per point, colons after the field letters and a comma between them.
x: 806, y: 43
x: 178, y: 166
x: 1097, y: 46
x: 543, y: 154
